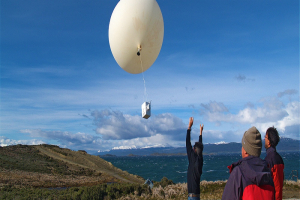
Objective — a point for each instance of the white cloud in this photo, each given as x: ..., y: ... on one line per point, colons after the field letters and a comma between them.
x: 272, y: 113
x: 115, y: 125
x: 4, y: 141
x: 157, y: 140
x: 222, y: 142
x: 251, y: 116
x: 124, y: 147
x: 63, y: 137
x: 67, y: 139
x: 272, y: 110
x: 118, y: 130
x: 125, y: 131
x: 166, y: 123
x: 292, y: 119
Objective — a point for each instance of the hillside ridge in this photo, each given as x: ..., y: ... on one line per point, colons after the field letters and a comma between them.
x: 88, y: 161
x: 52, y: 166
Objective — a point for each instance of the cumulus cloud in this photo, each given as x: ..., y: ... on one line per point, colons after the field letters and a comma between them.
x: 289, y: 124
x: 4, y: 141
x: 167, y: 124
x: 272, y: 112
x: 114, y: 125
x: 118, y: 130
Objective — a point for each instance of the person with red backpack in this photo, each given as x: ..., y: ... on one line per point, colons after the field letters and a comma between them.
x: 275, y: 162
x: 250, y: 178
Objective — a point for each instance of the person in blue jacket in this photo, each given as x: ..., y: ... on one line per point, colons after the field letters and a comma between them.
x: 195, y: 163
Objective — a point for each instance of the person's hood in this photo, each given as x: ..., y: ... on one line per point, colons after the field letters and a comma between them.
x: 255, y: 168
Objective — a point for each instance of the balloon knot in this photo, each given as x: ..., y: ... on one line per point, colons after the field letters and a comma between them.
x: 139, y: 50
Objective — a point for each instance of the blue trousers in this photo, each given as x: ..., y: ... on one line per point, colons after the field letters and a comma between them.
x: 193, y: 198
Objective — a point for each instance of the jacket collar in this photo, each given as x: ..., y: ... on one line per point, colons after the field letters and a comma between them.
x: 270, y: 149
x: 233, y: 165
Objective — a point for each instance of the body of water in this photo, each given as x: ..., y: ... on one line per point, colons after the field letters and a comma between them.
x: 175, y: 167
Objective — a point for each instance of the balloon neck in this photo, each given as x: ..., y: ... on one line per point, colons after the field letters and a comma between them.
x: 139, y: 49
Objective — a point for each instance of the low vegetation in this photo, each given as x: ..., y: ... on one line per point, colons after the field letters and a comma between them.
x: 52, y: 166
x: 102, y: 191
x: 165, y: 189
x: 50, y: 172
x: 29, y: 159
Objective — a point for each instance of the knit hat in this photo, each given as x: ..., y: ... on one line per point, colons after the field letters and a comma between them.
x: 252, y: 142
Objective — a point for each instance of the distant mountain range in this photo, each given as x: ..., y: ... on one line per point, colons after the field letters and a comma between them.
x: 285, y: 145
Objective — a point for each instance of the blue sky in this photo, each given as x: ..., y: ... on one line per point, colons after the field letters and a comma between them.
x: 229, y: 64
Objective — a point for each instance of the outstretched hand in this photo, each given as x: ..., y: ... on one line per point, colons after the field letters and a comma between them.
x: 191, y: 122
x: 201, y: 128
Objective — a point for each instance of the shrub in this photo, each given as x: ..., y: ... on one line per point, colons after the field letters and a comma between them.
x: 163, y: 182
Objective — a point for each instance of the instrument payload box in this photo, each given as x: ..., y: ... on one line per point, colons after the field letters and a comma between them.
x: 146, y: 110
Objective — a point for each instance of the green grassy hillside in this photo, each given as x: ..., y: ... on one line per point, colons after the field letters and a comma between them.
x: 52, y: 166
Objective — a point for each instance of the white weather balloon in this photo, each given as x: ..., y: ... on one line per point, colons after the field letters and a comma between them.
x: 136, y: 26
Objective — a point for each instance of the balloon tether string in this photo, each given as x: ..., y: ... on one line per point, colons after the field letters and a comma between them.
x: 145, y: 90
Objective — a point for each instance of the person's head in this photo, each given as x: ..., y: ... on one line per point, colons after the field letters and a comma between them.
x: 198, y: 148
x: 251, y: 142
x: 271, y: 138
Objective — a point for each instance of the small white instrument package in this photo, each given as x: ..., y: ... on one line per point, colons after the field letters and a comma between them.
x: 146, y: 110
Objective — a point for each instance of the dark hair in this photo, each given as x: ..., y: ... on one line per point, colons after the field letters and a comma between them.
x: 273, y: 136
x: 199, y: 147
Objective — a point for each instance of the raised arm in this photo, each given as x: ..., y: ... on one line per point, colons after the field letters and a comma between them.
x: 189, y: 147
x: 191, y: 122
x: 201, y: 130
